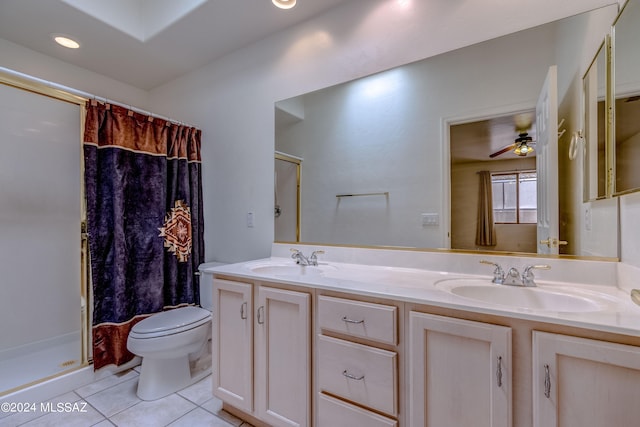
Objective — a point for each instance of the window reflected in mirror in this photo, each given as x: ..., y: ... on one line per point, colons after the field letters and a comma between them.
x: 514, y: 197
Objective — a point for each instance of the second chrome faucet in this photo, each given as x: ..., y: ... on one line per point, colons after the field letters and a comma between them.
x: 513, y: 277
x: 303, y: 260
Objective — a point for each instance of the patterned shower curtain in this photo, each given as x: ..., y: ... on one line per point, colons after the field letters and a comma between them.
x: 145, y: 221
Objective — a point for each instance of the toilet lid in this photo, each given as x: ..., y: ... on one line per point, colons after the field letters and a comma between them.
x: 179, y: 318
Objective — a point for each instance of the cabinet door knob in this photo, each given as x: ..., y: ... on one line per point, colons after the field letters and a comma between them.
x: 351, y: 376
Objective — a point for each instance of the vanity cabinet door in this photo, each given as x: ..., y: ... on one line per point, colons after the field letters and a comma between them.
x: 232, y: 341
x: 283, y: 357
x: 583, y: 382
x: 459, y: 372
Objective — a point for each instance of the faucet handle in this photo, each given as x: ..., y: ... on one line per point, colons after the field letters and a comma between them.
x: 527, y: 274
x: 295, y: 254
x: 498, y: 273
x: 314, y: 257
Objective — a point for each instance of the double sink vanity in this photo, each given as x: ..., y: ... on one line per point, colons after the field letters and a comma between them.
x: 388, y: 337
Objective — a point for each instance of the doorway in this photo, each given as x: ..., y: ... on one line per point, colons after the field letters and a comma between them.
x: 490, y: 145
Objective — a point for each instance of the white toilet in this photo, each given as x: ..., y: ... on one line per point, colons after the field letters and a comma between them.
x: 175, y: 349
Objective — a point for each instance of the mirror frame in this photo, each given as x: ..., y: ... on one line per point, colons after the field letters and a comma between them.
x: 609, y: 180
x: 612, y: 111
x: 587, y: 137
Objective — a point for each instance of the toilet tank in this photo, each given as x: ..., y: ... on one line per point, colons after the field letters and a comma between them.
x: 206, y: 285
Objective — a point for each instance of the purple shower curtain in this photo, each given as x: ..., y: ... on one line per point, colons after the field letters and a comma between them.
x: 144, y: 214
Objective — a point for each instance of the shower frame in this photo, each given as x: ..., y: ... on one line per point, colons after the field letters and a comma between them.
x: 41, y: 88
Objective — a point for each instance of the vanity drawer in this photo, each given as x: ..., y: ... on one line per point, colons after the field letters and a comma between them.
x: 360, y: 373
x: 376, y: 322
x: 336, y: 413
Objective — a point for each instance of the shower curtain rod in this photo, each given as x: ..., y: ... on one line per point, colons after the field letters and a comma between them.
x: 88, y: 95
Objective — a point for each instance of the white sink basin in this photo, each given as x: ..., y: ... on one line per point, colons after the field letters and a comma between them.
x: 545, y: 298
x: 290, y: 270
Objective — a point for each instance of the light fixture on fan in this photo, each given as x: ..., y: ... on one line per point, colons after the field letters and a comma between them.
x: 284, y: 4
x: 522, y: 146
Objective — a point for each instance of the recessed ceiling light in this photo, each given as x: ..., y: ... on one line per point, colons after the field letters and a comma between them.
x: 284, y: 4
x: 66, y: 41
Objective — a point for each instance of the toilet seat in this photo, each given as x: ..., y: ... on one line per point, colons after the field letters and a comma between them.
x: 170, y: 322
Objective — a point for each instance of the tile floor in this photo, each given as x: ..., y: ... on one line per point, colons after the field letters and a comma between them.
x: 112, y: 401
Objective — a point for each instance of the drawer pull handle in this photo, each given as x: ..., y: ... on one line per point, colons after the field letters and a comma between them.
x: 261, y: 315
x: 243, y: 310
x: 547, y: 382
x: 499, y: 372
x: 347, y: 320
x: 351, y: 376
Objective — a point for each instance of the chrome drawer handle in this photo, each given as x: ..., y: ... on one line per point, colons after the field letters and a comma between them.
x: 351, y: 376
x: 547, y: 382
x: 243, y: 310
x: 346, y: 319
x: 261, y: 315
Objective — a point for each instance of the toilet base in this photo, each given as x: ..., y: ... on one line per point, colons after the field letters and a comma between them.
x: 162, y: 377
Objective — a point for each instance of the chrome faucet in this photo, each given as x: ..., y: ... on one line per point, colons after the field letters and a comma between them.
x: 299, y: 257
x: 498, y: 273
x: 526, y: 280
x: 513, y: 277
x: 527, y: 274
x: 313, y: 259
x: 303, y: 260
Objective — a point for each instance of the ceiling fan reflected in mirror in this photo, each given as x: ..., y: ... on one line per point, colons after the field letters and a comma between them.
x: 523, y: 144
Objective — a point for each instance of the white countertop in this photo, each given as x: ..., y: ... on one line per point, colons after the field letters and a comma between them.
x: 616, y: 313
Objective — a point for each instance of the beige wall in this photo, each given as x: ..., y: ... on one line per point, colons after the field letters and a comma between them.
x: 464, y: 208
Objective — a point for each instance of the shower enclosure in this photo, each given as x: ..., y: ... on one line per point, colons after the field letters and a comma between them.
x: 287, y: 198
x: 43, y: 274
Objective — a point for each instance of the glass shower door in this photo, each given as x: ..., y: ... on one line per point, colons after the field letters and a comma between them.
x: 41, y: 322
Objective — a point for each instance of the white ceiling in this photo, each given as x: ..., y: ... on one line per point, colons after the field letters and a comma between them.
x: 148, y: 42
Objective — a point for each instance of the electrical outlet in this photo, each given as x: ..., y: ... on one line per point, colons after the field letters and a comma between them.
x: 250, y: 218
x: 587, y: 219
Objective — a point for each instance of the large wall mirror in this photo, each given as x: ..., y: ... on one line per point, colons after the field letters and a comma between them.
x: 626, y: 35
x: 391, y: 159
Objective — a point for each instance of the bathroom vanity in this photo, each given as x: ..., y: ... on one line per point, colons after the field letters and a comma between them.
x: 374, y: 337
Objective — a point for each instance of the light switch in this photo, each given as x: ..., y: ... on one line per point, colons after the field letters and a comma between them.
x: 430, y: 219
x: 250, y: 219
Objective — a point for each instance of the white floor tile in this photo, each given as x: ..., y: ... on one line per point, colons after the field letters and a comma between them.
x: 155, y: 413
x: 86, y: 416
x: 112, y: 401
x: 115, y: 399
x: 105, y: 383
x: 200, y: 418
x: 215, y: 407
x: 199, y: 392
x: 37, y: 410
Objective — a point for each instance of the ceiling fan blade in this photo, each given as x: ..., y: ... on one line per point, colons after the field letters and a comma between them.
x: 503, y: 150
